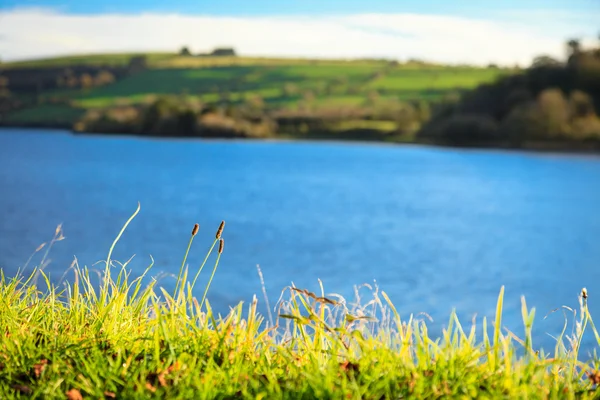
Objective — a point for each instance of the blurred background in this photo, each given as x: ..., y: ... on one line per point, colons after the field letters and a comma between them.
x: 436, y: 150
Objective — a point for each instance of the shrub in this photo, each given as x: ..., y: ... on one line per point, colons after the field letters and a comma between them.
x: 555, y: 112
x: 522, y: 123
x: 586, y: 127
x: 467, y: 128
x: 581, y: 103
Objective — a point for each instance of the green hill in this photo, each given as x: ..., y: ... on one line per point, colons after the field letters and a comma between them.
x: 74, y: 91
x: 552, y: 104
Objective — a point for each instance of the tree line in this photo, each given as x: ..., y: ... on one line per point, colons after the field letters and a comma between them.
x: 552, y: 101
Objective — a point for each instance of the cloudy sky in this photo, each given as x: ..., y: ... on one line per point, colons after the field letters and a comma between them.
x: 499, y: 31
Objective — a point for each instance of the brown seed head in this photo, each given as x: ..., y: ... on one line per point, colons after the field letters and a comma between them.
x: 584, y: 293
x: 594, y: 376
x: 74, y: 394
x: 39, y: 367
x: 195, y: 229
x: 220, y: 230
x: 221, y: 245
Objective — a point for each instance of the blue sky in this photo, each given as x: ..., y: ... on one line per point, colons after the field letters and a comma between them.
x: 494, y: 31
x: 311, y: 7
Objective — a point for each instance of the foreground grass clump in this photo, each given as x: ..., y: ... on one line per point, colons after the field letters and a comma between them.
x: 121, y: 339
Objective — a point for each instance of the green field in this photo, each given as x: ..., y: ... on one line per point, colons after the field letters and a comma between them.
x: 323, y: 82
x: 432, y: 79
x: 274, y: 84
x: 46, y: 114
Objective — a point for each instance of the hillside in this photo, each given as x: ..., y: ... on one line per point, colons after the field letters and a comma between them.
x: 550, y: 105
x: 242, y: 96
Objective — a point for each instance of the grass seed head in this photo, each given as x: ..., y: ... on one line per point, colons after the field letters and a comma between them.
x: 221, y: 245
x: 195, y: 229
x: 594, y: 377
x: 220, y: 230
x: 74, y: 394
x: 39, y: 367
x: 584, y: 293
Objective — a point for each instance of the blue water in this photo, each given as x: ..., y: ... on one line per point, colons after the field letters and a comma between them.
x: 435, y: 228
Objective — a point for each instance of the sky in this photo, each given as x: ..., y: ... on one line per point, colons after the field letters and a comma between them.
x: 495, y: 31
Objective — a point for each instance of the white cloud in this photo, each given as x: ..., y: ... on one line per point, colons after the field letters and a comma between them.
x: 32, y: 33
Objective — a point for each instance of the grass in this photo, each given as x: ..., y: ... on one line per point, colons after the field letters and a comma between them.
x: 333, y: 84
x: 385, y: 126
x: 279, y: 82
x: 266, y: 82
x: 46, y: 114
x: 436, y: 79
x: 265, y: 86
x: 120, y: 338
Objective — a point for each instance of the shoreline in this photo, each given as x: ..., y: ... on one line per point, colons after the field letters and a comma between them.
x: 543, y: 147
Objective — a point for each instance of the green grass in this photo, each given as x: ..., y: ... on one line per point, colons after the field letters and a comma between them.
x: 323, y: 71
x: 385, y: 126
x: 167, y: 81
x: 108, y: 101
x: 240, y: 82
x: 432, y: 79
x: 281, y: 83
x: 125, y: 339
x: 341, y: 100
x: 46, y: 113
x: 225, y: 79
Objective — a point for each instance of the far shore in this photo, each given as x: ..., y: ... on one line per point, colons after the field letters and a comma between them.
x: 562, y: 147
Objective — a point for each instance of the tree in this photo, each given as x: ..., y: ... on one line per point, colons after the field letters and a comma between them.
x: 71, y: 80
x: 544, y: 61
x: 187, y: 123
x: 86, y: 81
x: 555, y: 110
x: 255, y: 105
x: 423, y: 110
x: 224, y: 51
x: 574, y: 47
x: 407, y: 119
x: 524, y: 122
x: 185, y: 51
x: 581, y: 103
x: 4, y: 92
x: 137, y: 64
x: 465, y: 129
x: 104, y: 77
